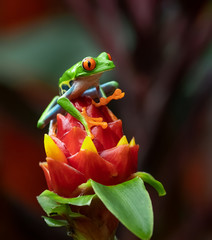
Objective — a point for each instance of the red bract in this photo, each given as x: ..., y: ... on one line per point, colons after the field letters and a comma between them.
x: 73, y: 157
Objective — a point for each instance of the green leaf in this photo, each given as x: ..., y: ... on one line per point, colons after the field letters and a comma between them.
x: 148, y: 178
x: 55, y: 222
x: 55, y: 205
x: 48, y: 205
x: 77, y: 201
x: 130, y: 203
x: 76, y: 215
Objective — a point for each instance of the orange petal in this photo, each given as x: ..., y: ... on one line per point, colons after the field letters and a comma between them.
x: 133, y: 158
x: 74, y: 139
x: 61, y: 146
x: 116, y: 128
x: 93, y: 166
x: 119, y: 157
x: 102, y: 112
x: 65, y: 124
x: 64, y: 178
x: 44, y: 166
x: 109, y: 137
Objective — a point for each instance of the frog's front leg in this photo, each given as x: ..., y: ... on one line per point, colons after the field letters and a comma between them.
x: 70, y: 108
x: 49, y: 113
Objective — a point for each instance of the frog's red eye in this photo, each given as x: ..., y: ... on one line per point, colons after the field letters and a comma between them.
x: 89, y: 64
x: 109, y: 57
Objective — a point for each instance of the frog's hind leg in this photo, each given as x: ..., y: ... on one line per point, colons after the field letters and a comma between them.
x: 70, y: 108
x: 49, y: 113
x: 88, y: 122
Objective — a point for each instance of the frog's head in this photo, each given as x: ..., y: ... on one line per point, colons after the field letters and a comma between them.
x: 85, y: 69
x: 91, y: 66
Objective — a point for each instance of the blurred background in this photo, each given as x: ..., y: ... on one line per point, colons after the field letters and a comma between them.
x: 163, y: 56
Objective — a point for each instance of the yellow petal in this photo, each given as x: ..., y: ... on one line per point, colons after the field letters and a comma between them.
x: 122, y: 141
x: 132, y: 142
x: 52, y: 150
x: 88, y: 145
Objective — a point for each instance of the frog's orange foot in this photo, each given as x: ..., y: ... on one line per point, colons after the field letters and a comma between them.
x: 91, y: 121
x: 118, y: 94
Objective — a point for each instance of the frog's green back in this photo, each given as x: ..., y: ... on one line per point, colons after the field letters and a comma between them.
x: 69, y: 74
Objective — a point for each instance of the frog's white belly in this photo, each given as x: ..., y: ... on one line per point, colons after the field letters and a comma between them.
x: 81, y: 84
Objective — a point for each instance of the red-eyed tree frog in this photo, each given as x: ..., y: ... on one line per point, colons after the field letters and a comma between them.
x: 77, y: 81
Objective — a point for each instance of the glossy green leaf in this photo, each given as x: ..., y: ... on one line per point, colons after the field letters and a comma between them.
x: 49, y: 206
x: 64, y: 209
x: 77, y: 201
x: 55, y: 205
x: 148, y: 178
x: 130, y: 203
x: 55, y: 222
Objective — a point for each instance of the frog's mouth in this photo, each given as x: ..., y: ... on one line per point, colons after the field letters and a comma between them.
x: 91, y: 79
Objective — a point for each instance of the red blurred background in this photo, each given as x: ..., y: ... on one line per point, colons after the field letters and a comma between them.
x: 163, y: 54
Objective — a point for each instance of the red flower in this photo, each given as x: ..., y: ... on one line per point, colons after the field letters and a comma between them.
x: 73, y: 157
